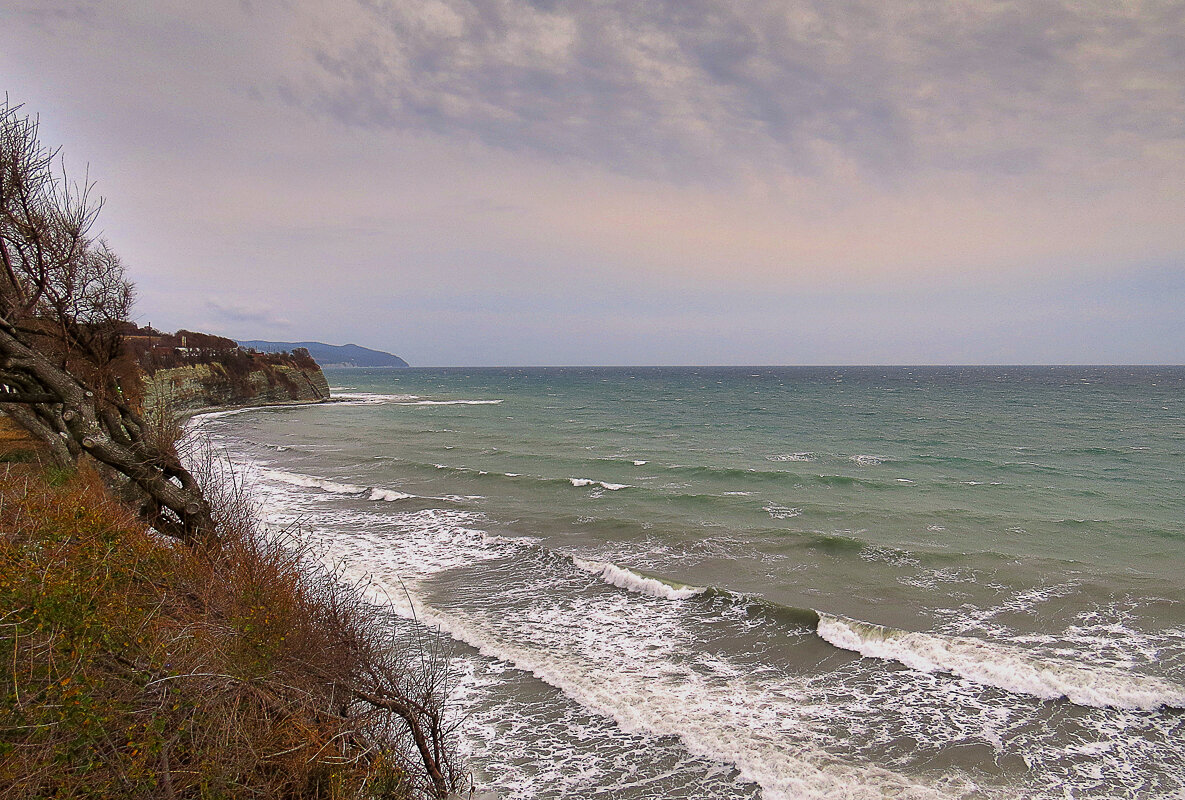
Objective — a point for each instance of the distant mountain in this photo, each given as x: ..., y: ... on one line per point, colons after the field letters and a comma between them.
x: 332, y: 355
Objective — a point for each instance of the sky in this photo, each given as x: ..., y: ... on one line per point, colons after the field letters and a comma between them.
x: 535, y: 182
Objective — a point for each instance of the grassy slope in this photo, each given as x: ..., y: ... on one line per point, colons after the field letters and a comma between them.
x: 133, y: 667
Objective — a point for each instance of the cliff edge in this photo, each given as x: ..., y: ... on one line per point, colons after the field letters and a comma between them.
x: 186, y: 371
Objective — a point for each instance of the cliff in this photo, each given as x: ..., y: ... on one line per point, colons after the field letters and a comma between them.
x: 187, y: 371
x: 212, y: 384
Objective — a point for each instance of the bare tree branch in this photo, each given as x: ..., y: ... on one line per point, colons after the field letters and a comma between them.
x: 63, y: 302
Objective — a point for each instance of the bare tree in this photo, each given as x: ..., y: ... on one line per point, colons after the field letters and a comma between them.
x: 63, y: 302
x: 412, y: 684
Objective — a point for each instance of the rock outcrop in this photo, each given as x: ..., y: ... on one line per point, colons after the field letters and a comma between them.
x: 189, y: 387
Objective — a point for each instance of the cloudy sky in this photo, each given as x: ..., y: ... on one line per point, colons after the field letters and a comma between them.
x: 619, y: 182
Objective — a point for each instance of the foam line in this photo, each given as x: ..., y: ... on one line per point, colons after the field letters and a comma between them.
x: 613, y: 487
x: 448, y: 403
x: 335, y: 487
x: 1004, y: 667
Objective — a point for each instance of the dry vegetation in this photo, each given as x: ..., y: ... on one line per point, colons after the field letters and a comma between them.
x: 138, y: 667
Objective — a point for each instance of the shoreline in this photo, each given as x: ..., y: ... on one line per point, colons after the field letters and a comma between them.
x: 189, y: 414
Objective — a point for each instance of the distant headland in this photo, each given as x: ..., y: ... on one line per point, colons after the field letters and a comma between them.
x: 331, y: 355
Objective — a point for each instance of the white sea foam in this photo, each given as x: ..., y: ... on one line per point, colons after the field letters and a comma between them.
x: 371, y: 398
x: 624, y: 578
x: 635, y: 662
x: 792, y: 457
x: 389, y: 495
x: 199, y: 420
x: 782, y: 512
x: 866, y: 461
x: 639, y: 463
x: 334, y: 487
x: 626, y: 661
x: 613, y: 487
x: 311, y: 482
x: 1002, y: 666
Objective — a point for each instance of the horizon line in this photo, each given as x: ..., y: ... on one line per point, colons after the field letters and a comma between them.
x: 780, y: 366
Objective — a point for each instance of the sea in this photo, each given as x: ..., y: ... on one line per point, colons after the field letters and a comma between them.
x: 766, y: 582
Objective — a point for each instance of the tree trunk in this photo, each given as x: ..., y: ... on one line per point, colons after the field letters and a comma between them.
x: 114, y: 436
x: 53, y: 440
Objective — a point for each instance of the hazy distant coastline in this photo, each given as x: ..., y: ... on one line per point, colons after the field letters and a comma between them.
x: 331, y: 355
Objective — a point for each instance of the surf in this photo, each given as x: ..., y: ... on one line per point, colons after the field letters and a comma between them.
x: 1002, y: 666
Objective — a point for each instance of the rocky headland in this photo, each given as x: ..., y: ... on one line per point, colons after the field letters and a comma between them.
x: 186, y: 371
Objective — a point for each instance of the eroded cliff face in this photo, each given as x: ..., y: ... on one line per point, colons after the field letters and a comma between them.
x: 204, y: 385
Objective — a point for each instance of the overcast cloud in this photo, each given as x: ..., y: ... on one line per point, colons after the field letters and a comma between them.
x: 693, y: 88
x: 691, y: 181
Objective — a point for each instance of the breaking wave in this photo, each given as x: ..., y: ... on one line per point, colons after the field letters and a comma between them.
x: 337, y: 487
x: 370, y: 398
x: 1002, y: 666
x: 632, y: 581
x: 613, y: 487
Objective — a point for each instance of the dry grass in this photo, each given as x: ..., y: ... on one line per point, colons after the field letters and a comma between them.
x: 15, y: 442
x: 136, y: 667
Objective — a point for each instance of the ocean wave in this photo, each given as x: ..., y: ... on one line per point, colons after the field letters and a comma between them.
x: 778, y: 478
x: 311, y: 482
x: 866, y: 460
x: 565, y: 646
x: 336, y: 487
x: 374, y: 398
x: 198, y: 421
x: 725, y: 720
x: 995, y: 664
x: 217, y: 414
x: 782, y: 512
x: 389, y: 495
x: 613, y: 487
x: 791, y: 457
x: 370, y: 398
x: 1002, y: 666
x: 447, y: 402
x: 624, y: 578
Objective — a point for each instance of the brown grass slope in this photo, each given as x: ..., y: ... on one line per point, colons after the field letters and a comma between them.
x: 133, y: 666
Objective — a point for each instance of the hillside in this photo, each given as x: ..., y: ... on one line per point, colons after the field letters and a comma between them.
x: 331, y: 355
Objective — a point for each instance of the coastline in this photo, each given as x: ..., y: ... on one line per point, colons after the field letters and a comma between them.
x: 189, y: 414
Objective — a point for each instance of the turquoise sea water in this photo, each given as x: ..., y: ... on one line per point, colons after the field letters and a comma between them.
x: 770, y: 582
